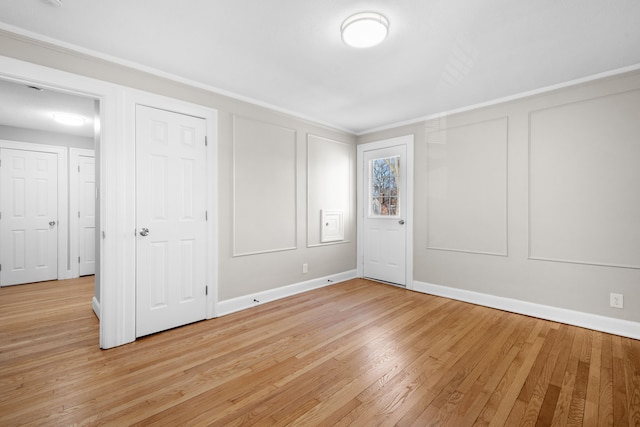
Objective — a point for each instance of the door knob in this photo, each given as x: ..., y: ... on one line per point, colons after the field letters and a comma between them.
x: 144, y: 232
x: 52, y: 223
x: 401, y: 222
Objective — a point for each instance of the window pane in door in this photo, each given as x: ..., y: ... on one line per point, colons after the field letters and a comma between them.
x: 385, y: 174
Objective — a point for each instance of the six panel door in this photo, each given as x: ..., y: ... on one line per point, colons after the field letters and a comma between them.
x: 171, y: 214
x: 29, y: 207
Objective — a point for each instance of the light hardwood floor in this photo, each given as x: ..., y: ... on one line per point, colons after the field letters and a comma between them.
x: 355, y: 353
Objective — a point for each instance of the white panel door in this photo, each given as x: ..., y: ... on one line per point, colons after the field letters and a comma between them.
x: 29, y: 209
x: 171, y: 214
x: 86, y: 215
x: 384, y: 231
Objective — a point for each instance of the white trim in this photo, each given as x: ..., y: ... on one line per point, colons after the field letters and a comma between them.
x: 63, y: 193
x: 596, y: 322
x: 540, y: 91
x: 248, y: 301
x: 74, y: 162
x: 408, y: 141
x: 212, y: 209
x: 114, y: 279
x: 210, y: 115
x: 96, y: 307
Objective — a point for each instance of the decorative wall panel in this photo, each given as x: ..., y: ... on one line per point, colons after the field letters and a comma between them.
x: 264, y: 193
x: 328, y: 183
x: 584, y: 178
x: 467, y: 188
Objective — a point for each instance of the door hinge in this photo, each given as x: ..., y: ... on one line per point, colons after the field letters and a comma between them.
x: 206, y: 215
x: 206, y: 290
x: 206, y: 141
x: 78, y: 260
x: 78, y: 214
x: 78, y: 168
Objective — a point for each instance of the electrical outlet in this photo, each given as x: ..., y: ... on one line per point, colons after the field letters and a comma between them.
x: 616, y: 300
x: 305, y: 268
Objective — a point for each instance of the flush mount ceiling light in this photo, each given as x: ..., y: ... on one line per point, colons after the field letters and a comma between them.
x: 69, y: 119
x: 365, y: 29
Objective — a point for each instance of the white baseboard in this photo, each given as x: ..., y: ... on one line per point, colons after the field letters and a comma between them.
x: 596, y: 322
x: 248, y: 301
x: 96, y: 306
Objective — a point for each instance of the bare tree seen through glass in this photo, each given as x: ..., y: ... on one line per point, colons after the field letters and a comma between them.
x: 384, y: 186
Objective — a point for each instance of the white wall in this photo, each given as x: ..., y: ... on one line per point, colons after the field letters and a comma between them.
x: 241, y: 127
x: 482, y: 224
x: 270, y: 201
x: 534, y: 200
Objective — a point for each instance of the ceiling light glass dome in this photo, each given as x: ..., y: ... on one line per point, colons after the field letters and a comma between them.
x: 365, y: 29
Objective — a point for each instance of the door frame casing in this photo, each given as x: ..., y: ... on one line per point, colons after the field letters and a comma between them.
x: 63, y: 206
x: 112, y: 278
x: 116, y: 224
x: 408, y: 141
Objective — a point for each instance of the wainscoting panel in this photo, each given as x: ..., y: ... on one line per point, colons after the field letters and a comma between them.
x: 467, y: 188
x: 264, y: 193
x: 584, y: 200
x: 329, y: 183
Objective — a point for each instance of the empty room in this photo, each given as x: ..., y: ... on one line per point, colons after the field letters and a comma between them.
x: 295, y: 213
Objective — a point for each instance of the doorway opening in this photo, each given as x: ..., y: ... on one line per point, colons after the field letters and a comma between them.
x: 48, y: 140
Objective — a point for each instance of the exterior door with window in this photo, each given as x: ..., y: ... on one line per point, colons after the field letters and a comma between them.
x: 385, y: 212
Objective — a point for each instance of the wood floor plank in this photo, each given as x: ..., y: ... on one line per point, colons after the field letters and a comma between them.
x: 550, y: 403
x: 501, y: 384
x: 605, y: 398
x: 358, y: 353
x: 541, y: 380
x: 592, y: 399
x: 567, y: 386
x: 509, y: 399
x: 477, y: 386
x: 631, y: 352
x: 620, y: 408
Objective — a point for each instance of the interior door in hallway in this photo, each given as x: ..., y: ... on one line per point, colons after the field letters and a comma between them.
x: 86, y: 215
x: 171, y: 220
x: 385, y: 192
x: 29, y: 216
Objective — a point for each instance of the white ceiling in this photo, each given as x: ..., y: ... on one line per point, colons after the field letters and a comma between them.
x: 440, y: 55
